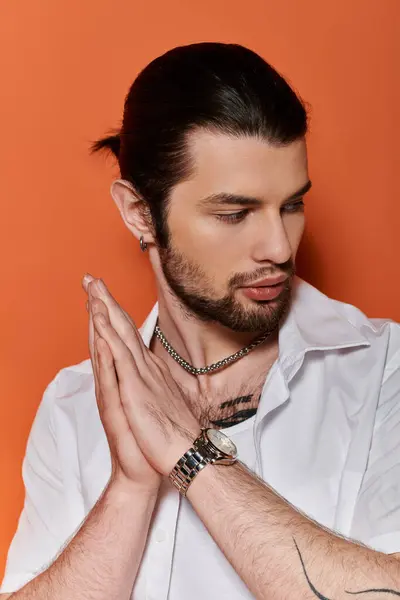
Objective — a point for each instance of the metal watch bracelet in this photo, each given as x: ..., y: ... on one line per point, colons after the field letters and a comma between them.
x: 187, y: 468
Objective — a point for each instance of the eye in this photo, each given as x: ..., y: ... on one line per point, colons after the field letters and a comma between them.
x: 235, y: 217
x: 293, y: 207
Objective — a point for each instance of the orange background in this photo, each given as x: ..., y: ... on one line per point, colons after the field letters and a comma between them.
x: 66, y: 67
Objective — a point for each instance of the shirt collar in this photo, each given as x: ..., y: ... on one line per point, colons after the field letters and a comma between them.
x: 314, y: 322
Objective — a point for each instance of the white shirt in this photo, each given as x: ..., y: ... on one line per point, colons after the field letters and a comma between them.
x: 326, y: 436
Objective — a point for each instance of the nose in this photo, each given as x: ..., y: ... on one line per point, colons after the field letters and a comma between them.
x: 272, y: 242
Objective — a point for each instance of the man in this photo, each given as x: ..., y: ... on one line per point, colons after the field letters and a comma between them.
x: 292, y: 394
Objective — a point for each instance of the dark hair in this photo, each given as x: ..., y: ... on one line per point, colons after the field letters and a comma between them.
x: 215, y: 86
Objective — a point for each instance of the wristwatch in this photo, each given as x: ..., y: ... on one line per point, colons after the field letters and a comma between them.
x: 212, y: 446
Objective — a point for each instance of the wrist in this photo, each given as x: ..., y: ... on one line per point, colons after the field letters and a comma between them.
x: 122, y: 490
x: 211, y: 478
x: 211, y: 447
x: 177, y: 449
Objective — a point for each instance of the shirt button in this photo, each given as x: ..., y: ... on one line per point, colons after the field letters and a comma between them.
x: 161, y: 536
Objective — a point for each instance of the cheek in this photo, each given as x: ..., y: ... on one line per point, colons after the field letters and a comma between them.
x: 294, y: 227
x: 199, y: 238
x: 215, y: 249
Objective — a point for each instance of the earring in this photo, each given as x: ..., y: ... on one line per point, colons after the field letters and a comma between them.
x: 143, y: 244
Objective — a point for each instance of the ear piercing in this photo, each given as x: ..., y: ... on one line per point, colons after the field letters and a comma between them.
x: 143, y: 244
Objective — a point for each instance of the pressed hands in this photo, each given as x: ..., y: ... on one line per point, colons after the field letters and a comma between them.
x: 145, y: 417
x: 148, y: 427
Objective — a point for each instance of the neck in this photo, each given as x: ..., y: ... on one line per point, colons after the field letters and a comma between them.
x: 203, y: 343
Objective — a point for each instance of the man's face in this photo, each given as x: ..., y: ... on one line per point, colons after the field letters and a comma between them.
x: 217, y: 248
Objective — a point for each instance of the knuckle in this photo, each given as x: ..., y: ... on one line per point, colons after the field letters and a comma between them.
x: 96, y: 304
x: 125, y: 355
x: 126, y: 329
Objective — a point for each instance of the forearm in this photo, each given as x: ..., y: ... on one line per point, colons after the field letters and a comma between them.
x: 102, y: 560
x: 279, y: 552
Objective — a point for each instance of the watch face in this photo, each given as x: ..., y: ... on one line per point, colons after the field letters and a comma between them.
x: 222, y: 442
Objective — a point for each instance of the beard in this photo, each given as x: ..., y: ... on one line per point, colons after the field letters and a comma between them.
x: 195, y: 293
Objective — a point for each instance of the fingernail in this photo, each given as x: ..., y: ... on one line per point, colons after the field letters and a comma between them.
x: 87, y: 305
x: 87, y: 278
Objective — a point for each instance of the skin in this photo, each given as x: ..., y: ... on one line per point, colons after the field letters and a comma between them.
x: 263, y: 244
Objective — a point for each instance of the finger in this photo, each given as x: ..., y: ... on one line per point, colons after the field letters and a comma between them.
x: 152, y: 359
x: 96, y: 306
x: 124, y: 361
x: 121, y: 321
x: 110, y: 408
x: 92, y: 350
x: 87, y: 278
x: 86, y: 288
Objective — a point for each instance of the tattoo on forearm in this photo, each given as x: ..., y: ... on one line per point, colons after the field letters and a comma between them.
x: 380, y: 591
x: 322, y: 597
x: 312, y: 587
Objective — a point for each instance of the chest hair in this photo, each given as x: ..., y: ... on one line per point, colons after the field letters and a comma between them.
x: 227, y: 407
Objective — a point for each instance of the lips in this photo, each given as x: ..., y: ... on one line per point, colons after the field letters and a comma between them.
x: 264, y: 293
x: 270, y: 281
x: 266, y: 289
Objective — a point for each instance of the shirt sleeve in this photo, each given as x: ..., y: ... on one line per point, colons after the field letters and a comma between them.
x: 41, y: 530
x: 376, y: 520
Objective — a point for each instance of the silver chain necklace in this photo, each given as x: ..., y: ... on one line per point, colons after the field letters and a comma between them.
x: 214, y: 366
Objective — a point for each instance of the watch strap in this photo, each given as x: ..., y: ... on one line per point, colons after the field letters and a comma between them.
x: 186, y: 469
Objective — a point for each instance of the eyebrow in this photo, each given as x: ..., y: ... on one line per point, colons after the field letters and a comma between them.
x: 224, y: 198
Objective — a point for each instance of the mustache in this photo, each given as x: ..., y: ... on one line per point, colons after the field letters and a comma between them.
x: 288, y: 269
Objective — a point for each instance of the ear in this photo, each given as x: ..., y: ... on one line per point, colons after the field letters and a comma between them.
x: 133, y: 209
